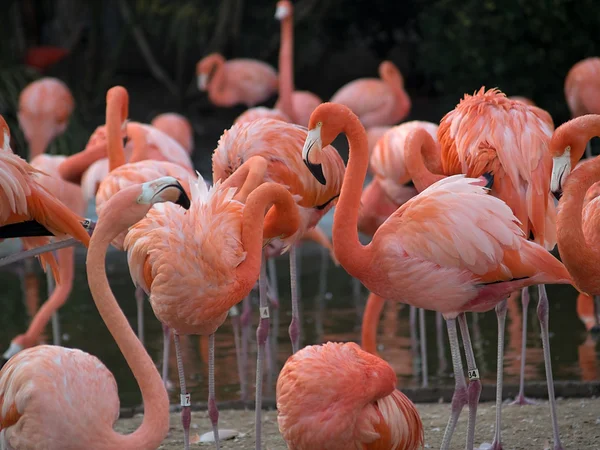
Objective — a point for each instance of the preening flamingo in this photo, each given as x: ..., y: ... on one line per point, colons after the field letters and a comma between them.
x: 196, y: 265
x: 375, y: 101
x: 44, y: 110
x: 452, y: 248
x: 57, y: 398
x: 176, y: 126
x: 337, y: 397
x: 582, y: 90
x: 229, y: 83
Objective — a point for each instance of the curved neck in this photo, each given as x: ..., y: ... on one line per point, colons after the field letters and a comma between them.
x: 155, y: 424
x: 38, y: 143
x: 284, y: 219
x: 115, y: 105
x: 581, y: 258
x: 418, y: 148
x: 72, y: 168
x: 351, y: 254
x: 218, y: 90
x: 58, y: 297
x: 286, y: 67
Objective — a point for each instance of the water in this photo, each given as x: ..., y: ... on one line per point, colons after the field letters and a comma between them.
x: 334, y: 316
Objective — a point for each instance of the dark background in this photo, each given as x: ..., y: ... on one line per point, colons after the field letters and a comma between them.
x: 444, y: 48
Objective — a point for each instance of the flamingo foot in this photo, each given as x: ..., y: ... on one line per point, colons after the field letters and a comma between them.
x: 521, y: 400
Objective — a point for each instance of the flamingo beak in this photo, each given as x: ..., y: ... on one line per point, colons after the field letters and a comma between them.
x: 281, y: 12
x: 165, y: 189
x: 312, y: 146
x: 202, y: 81
x: 561, y: 168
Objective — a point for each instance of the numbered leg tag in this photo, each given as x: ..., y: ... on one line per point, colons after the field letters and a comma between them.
x: 86, y: 223
x: 186, y: 399
x: 473, y: 374
x: 264, y: 312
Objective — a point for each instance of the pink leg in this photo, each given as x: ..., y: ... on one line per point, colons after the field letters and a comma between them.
x: 139, y: 298
x: 245, y: 319
x: 294, y: 329
x: 186, y: 415
x: 441, y: 348
x: 55, y: 321
x: 459, y: 399
x: 521, y: 399
x: 414, y: 341
x: 423, y: 340
x: 166, y: 348
x: 501, y: 315
x: 474, y: 389
x: 213, y: 412
x: 262, y: 333
x: 543, y: 315
x: 234, y: 313
x: 272, y: 267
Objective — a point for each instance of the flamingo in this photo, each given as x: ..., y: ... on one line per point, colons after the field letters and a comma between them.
x: 521, y: 99
x: 22, y: 198
x: 53, y: 397
x: 374, y: 134
x: 452, y: 248
x: 176, y: 126
x: 45, y: 106
x: 377, y: 102
x: 582, y: 90
x: 196, y: 265
x: 337, y: 396
x: 228, y: 83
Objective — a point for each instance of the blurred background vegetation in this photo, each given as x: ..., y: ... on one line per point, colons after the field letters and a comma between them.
x: 444, y: 48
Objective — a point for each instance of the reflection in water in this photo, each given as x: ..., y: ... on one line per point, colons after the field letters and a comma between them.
x: 329, y: 314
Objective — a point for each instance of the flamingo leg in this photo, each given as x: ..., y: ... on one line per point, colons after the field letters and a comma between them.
x: 474, y: 388
x: 166, y: 347
x: 320, y: 300
x: 521, y: 399
x: 234, y: 313
x: 543, y: 315
x: 459, y: 399
x: 356, y: 293
x: 501, y: 316
x: 245, y: 323
x: 186, y: 415
x: 423, y: 339
x: 213, y: 412
x: 55, y: 321
x: 414, y: 342
x: 441, y: 347
x: 262, y: 333
x: 294, y: 329
x: 596, y: 311
x: 272, y: 268
x: 139, y: 299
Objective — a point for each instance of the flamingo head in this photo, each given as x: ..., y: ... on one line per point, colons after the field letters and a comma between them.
x: 284, y: 9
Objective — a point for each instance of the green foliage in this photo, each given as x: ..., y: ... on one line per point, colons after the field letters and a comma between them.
x: 524, y: 47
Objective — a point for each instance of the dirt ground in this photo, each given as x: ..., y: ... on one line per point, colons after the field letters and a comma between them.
x: 524, y: 428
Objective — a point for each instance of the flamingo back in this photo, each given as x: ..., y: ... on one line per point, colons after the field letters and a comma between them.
x: 487, y: 132
x: 186, y: 260
x: 162, y: 147
x: 261, y: 112
x: 582, y: 87
x: 65, y: 395
x: 251, y: 80
x: 176, y: 126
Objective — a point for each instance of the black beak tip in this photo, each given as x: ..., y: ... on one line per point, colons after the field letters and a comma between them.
x: 557, y: 194
x: 183, y: 200
x: 317, y: 171
x: 490, y: 179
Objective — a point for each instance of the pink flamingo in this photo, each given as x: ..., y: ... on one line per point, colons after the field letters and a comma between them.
x: 375, y: 101
x: 38, y: 412
x: 44, y: 110
x: 176, y: 126
x: 337, y: 396
x: 414, y: 256
x: 196, y: 265
x: 582, y: 90
x: 229, y: 83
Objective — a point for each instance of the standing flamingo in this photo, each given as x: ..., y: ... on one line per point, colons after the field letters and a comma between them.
x: 452, y: 248
x: 375, y: 101
x: 176, y: 126
x: 337, y: 396
x: 44, y: 110
x: 46, y: 391
x: 196, y: 265
x: 229, y: 83
x: 582, y: 90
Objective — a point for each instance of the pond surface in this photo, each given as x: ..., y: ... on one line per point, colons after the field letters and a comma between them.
x: 329, y: 313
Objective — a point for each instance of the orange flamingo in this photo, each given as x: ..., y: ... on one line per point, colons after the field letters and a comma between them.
x: 582, y: 90
x: 38, y: 412
x: 44, y: 110
x: 176, y: 126
x: 229, y: 83
x: 196, y: 265
x: 375, y: 101
x: 22, y: 198
x: 337, y: 396
x: 452, y: 248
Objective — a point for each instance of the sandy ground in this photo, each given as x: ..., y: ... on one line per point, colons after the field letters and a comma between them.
x: 524, y: 428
